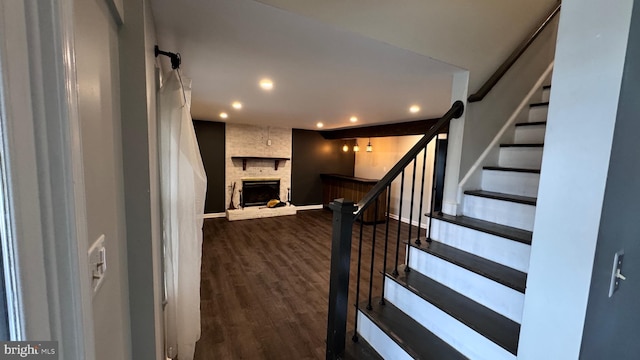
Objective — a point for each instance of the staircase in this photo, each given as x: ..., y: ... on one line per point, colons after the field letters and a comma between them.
x: 463, y: 294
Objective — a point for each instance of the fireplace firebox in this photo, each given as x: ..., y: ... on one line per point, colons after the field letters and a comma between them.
x: 259, y: 192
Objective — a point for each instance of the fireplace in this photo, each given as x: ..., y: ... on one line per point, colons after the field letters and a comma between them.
x: 259, y: 191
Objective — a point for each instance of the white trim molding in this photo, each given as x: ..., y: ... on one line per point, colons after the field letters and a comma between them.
x: 41, y: 136
x: 476, y: 168
x: 423, y: 225
x: 214, y: 215
x: 309, y: 207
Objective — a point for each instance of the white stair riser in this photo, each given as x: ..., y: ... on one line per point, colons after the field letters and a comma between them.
x: 480, y: 289
x: 546, y: 94
x: 498, y: 211
x: 530, y: 134
x: 495, y: 248
x: 538, y: 113
x: 517, y: 157
x: 468, y: 342
x: 381, y: 342
x: 511, y: 182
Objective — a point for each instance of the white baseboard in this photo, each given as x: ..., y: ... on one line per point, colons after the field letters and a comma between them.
x: 214, y: 215
x: 310, y: 207
x: 423, y: 224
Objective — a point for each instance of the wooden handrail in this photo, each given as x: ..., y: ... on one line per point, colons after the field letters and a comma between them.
x: 454, y: 112
x: 515, y: 55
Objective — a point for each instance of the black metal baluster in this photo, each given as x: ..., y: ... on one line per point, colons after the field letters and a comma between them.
x: 424, y: 167
x: 355, y: 331
x: 413, y: 195
x: 386, y: 244
x: 433, y: 189
x: 346, y: 212
x: 395, y: 269
x: 373, y: 254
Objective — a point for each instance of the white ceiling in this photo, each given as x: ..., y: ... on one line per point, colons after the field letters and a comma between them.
x: 474, y: 35
x: 330, y: 59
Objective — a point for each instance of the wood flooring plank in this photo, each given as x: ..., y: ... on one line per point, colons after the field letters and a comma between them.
x: 265, y: 284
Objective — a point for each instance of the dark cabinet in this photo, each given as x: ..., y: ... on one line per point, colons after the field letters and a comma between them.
x: 352, y: 188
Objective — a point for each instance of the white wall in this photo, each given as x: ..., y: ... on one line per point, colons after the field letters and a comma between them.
x: 474, y: 35
x: 481, y: 122
x: 97, y: 59
x: 485, y: 118
x: 591, y: 47
x: 152, y: 73
x: 386, y: 153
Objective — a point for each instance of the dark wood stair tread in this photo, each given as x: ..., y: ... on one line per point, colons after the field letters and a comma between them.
x: 488, y: 323
x: 417, y: 341
x: 522, y: 145
x: 533, y: 123
x: 360, y: 350
x: 527, y: 200
x: 546, y: 103
x: 508, y: 232
x: 499, y: 273
x: 501, y: 168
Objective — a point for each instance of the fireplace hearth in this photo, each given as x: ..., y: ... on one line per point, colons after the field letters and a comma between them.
x: 257, y: 192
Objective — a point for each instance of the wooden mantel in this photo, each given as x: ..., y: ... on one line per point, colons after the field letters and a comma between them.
x: 276, y: 160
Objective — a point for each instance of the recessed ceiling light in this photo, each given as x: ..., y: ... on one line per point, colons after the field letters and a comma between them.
x: 224, y: 115
x: 414, y: 108
x: 266, y: 84
x: 319, y: 125
x: 237, y: 105
x: 353, y: 119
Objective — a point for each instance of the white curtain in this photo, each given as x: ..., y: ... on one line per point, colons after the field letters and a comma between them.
x: 183, y: 186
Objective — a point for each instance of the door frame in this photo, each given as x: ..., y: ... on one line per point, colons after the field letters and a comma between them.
x: 45, y: 224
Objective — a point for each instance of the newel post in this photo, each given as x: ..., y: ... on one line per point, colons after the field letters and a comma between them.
x: 339, y: 278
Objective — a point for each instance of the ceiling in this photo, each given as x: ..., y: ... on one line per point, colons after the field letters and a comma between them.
x: 333, y: 59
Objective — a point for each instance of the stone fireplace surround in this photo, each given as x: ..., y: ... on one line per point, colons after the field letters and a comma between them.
x: 252, y: 141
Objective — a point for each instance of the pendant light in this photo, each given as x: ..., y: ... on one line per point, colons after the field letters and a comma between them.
x: 369, y: 147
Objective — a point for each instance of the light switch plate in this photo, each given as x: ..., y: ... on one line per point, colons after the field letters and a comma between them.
x: 617, y: 266
x: 97, y: 263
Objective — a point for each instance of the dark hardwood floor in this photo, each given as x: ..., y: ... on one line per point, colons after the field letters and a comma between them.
x: 265, y: 284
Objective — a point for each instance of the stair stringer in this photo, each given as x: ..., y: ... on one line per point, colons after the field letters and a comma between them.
x: 489, y: 157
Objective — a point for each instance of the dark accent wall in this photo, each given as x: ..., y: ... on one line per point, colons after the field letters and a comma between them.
x: 211, y: 140
x: 612, y: 324
x: 312, y: 155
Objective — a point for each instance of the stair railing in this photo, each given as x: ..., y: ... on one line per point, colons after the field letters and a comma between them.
x: 346, y: 212
x: 515, y: 55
